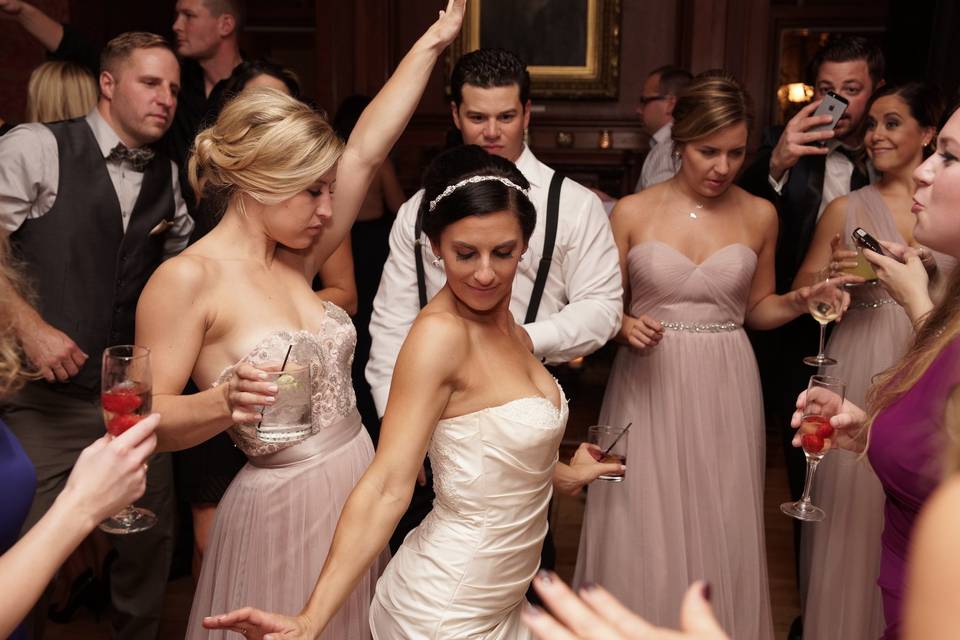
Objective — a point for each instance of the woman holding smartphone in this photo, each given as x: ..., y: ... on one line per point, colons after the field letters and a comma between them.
x: 842, y: 554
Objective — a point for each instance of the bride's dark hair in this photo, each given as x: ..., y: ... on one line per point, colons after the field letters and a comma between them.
x: 477, y: 198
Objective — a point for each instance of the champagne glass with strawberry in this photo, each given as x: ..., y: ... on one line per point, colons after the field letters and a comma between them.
x: 126, y: 395
x: 823, y: 401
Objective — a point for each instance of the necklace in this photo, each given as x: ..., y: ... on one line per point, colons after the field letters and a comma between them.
x: 692, y: 214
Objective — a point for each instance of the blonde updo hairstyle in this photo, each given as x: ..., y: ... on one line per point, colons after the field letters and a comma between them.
x: 713, y: 100
x: 265, y: 145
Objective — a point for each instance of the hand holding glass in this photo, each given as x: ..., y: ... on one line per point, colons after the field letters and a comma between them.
x: 824, y: 400
x: 606, y: 437
x: 824, y: 303
x: 126, y: 397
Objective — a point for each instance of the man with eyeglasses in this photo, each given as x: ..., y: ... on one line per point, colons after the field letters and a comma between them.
x: 656, y: 112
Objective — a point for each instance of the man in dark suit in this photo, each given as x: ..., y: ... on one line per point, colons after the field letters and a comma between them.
x: 800, y: 177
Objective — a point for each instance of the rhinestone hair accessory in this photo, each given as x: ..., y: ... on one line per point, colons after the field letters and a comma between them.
x: 474, y: 180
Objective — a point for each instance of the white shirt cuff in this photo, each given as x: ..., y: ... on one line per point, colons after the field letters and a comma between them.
x: 380, y: 395
x: 778, y: 184
x: 545, y: 338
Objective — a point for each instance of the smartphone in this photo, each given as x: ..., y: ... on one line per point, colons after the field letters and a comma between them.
x: 866, y: 241
x: 833, y: 106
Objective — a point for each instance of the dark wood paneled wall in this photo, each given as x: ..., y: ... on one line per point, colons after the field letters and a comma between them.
x: 343, y: 47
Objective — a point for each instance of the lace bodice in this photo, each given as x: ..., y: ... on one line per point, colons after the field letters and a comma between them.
x: 328, y: 354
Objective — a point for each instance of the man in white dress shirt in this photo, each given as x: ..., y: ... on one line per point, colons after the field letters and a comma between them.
x: 657, y: 101
x: 581, y: 305
x: 91, y: 211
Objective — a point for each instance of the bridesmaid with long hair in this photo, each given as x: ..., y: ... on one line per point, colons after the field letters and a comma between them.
x: 841, y: 555
x: 697, y: 257
x: 903, y: 430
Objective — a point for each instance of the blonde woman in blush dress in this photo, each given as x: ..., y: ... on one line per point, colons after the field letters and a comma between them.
x: 840, y: 556
x: 239, y: 301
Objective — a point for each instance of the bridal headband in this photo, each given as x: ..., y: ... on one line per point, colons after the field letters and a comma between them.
x: 474, y: 180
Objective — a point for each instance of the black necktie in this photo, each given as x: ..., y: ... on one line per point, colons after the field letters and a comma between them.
x: 138, y: 158
x: 860, y: 177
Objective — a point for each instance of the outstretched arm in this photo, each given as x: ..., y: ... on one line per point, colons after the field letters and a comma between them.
x: 45, y: 29
x: 424, y: 381
x: 382, y: 122
x: 108, y: 475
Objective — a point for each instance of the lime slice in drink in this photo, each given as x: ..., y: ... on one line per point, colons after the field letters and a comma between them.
x: 287, y: 381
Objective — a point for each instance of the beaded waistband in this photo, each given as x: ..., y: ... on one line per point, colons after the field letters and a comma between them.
x: 697, y: 327
x: 873, y: 304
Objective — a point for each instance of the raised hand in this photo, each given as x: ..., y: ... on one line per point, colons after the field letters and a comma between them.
x: 10, y: 8
x: 247, y: 393
x: 447, y: 26
x: 254, y: 624
x: 904, y: 277
x: 595, y: 614
x: 52, y: 352
x: 797, y: 140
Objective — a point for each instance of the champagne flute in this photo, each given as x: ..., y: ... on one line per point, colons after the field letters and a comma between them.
x: 824, y: 305
x: 824, y: 398
x: 126, y: 396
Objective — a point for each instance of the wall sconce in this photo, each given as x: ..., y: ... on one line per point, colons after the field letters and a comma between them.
x: 795, y: 92
x: 606, y: 140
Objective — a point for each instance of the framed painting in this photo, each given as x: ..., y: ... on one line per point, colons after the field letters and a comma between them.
x: 571, y: 47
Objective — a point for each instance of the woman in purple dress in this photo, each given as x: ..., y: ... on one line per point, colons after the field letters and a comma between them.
x: 907, y: 403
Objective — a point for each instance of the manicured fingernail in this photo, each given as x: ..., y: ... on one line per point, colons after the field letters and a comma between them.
x: 544, y: 576
x: 706, y: 591
x: 532, y: 609
x: 263, y: 376
x: 271, y: 399
x: 588, y: 586
x: 273, y: 388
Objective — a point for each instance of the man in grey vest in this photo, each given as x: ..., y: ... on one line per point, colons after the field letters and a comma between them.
x: 91, y: 212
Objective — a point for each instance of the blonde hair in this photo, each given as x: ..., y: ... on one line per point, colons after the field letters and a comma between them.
x: 60, y: 91
x: 12, y: 372
x: 713, y: 100
x: 265, y: 145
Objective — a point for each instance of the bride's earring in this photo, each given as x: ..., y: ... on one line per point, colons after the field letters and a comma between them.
x: 437, y: 260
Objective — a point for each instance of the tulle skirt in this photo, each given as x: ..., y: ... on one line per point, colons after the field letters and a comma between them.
x: 274, y: 527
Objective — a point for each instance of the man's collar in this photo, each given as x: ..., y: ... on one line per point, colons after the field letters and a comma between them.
x: 106, y: 137
x: 529, y: 166
x: 661, y: 135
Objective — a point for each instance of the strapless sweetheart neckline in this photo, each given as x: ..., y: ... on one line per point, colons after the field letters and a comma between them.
x: 556, y: 409
x: 687, y: 258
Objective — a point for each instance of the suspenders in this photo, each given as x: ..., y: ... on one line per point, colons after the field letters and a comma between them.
x: 549, y: 242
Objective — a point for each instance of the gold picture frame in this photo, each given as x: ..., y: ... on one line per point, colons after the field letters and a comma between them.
x: 578, y: 59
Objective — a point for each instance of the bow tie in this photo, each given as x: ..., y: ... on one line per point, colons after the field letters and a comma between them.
x: 138, y: 158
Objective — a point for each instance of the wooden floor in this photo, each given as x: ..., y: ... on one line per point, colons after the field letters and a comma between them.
x: 585, y: 390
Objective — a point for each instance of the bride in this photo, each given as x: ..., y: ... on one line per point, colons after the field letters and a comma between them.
x: 239, y: 301
x: 492, y: 418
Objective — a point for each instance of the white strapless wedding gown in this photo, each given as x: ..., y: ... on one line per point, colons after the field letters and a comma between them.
x: 463, y: 572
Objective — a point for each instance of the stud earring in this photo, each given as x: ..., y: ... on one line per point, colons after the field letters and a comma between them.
x: 436, y: 261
